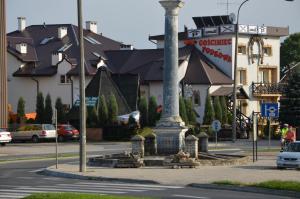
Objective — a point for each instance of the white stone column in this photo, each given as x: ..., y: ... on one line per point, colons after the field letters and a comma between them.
x: 170, y: 128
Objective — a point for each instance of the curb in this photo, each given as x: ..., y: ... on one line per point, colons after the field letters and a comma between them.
x: 50, y: 172
x: 293, y: 194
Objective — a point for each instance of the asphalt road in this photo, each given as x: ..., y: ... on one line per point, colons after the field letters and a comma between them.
x: 20, y: 179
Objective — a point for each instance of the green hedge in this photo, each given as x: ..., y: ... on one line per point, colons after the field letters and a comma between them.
x: 118, y: 133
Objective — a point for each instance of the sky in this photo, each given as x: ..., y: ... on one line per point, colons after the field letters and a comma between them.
x: 132, y: 21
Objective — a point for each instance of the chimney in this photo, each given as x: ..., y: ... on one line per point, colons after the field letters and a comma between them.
x: 21, y: 48
x: 62, y: 32
x: 92, y: 26
x: 126, y: 47
x: 21, y: 23
x: 56, y: 57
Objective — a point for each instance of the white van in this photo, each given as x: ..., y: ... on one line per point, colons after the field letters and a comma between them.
x: 5, y: 137
x: 34, y: 132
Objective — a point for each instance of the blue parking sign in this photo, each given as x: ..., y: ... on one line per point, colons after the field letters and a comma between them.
x: 269, y: 110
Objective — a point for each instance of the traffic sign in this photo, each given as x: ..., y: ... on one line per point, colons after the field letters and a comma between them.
x: 269, y: 110
x: 216, y: 125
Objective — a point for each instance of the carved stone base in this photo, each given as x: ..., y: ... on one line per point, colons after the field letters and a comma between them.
x: 170, y: 140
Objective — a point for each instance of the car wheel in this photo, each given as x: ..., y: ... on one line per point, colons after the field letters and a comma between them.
x: 60, y: 138
x: 35, y: 139
x: 279, y: 167
x: 3, y: 144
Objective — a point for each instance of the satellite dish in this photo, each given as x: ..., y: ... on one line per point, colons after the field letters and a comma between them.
x: 232, y: 17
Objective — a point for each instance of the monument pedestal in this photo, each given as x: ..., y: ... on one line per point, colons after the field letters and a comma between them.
x: 170, y: 139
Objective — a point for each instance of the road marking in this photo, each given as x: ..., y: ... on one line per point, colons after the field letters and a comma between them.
x: 103, y: 186
x: 70, y: 190
x: 20, y: 190
x: 53, y: 179
x: 187, y: 196
x: 135, y: 185
x: 37, y: 170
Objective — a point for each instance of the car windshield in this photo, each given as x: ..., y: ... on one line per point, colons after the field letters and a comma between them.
x: 293, y: 147
x: 69, y: 128
x: 49, y: 127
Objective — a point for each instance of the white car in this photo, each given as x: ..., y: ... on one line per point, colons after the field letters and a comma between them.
x: 5, y: 137
x: 289, y: 157
x: 124, y: 118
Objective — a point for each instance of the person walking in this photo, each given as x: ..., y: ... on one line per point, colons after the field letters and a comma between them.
x: 284, y: 131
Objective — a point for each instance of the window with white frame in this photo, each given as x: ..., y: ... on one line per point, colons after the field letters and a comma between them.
x: 64, y: 79
x: 264, y: 76
x: 242, y: 76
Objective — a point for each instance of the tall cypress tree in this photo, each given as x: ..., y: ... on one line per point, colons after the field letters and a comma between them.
x: 48, y: 110
x: 112, y: 109
x: 92, y: 117
x: 61, y: 115
x: 209, y: 113
x: 290, y: 102
x: 152, y: 111
x: 182, y: 110
x: 218, y: 109
x: 102, y: 112
x: 224, y: 110
x: 143, y: 108
x: 21, y: 109
x: 191, y: 116
x: 40, y: 109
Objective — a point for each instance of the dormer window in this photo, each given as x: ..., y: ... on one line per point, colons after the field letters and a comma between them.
x: 64, y: 79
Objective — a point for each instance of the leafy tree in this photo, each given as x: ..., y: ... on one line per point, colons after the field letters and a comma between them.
x: 209, y: 113
x: 21, y: 109
x: 191, y: 116
x: 143, y: 108
x: 92, y: 117
x: 290, y: 51
x: 224, y: 110
x: 290, y: 102
x: 182, y: 110
x: 61, y: 114
x: 102, y: 112
x: 152, y: 111
x: 40, y: 108
x: 112, y: 109
x: 48, y: 110
x: 218, y: 109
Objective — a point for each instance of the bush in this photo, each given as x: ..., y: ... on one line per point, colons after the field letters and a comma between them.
x: 182, y: 110
x: 61, y: 115
x: 21, y: 110
x: 209, y: 113
x: 112, y: 110
x: 152, y: 111
x: 48, y: 110
x: 145, y: 131
x: 40, y: 109
x: 102, y: 112
x: 191, y: 116
x: 218, y: 109
x: 92, y: 118
x: 118, y: 133
x: 143, y: 108
x: 224, y: 110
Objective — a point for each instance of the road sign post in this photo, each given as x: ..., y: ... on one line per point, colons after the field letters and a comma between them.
x: 216, y: 127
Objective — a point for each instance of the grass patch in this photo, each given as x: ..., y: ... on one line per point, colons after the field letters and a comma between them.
x: 272, y: 184
x: 77, y: 196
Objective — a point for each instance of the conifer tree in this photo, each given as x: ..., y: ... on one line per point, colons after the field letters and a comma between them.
x: 143, y: 108
x: 152, y: 111
x: 92, y: 117
x: 21, y: 109
x: 112, y: 109
x: 209, y: 113
x: 48, y: 110
x: 182, y: 110
x: 191, y: 116
x: 224, y: 110
x: 218, y: 109
x: 102, y: 112
x: 61, y: 115
x: 40, y: 109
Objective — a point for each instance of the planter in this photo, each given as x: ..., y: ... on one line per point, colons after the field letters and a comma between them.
x: 94, y: 134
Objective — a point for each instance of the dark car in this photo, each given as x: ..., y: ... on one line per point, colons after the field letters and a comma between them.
x: 67, y: 132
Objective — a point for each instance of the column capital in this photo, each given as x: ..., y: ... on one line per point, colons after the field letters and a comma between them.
x: 172, y: 6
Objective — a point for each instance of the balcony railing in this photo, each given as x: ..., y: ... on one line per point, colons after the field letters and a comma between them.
x: 268, y: 88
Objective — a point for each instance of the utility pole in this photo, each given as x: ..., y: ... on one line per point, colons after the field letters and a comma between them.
x: 82, y: 161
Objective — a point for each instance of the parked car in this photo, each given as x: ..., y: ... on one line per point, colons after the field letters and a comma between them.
x: 67, y: 132
x: 34, y: 132
x: 123, y: 119
x: 5, y: 137
x: 289, y: 157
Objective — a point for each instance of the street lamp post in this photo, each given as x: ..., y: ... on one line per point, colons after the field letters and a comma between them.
x: 82, y: 159
x: 235, y: 72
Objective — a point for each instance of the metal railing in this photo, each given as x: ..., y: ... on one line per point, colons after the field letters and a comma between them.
x: 268, y: 88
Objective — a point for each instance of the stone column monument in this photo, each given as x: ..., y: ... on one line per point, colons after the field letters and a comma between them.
x: 3, y: 68
x: 170, y: 129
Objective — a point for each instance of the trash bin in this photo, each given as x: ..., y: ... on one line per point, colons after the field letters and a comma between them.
x: 203, y: 142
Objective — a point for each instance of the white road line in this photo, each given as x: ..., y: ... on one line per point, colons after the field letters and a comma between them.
x: 20, y: 191
x: 87, y: 189
x: 37, y: 170
x: 109, y: 186
x: 70, y: 190
x: 53, y: 179
x: 11, y: 196
x: 134, y: 185
x: 187, y: 196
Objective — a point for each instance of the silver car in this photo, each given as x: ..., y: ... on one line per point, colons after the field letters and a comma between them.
x: 289, y: 157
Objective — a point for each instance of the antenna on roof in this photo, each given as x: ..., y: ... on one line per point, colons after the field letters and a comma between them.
x: 226, y: 3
